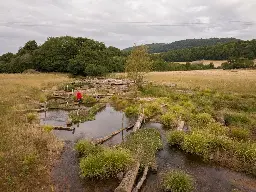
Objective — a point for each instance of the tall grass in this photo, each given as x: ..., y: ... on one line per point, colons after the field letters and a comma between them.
x: 26, y: 150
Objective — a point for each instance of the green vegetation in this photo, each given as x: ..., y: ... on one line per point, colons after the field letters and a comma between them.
x: 231, y: 144
x: 78, y: 56
x: 178, y: 181
x: 138, y: 64
x: 85, y: 114
x: 144, y: 144
x: 188, y: 43
x: 47, y: 128
x: 89, y: 101
x: 86, y: 148
x: 132, y: 111
x: 105, y: 164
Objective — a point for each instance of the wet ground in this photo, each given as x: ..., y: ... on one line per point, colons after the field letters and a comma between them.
x: 209, y: 178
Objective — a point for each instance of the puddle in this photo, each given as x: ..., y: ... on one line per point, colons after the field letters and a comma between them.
x: 209, y: 178
x: 106, y: 122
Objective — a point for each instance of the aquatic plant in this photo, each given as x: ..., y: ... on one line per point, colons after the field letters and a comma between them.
x: 178, y: 181
x: 105, y: 164
x: 86, y: 148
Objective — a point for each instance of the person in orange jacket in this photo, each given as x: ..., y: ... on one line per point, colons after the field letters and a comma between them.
x: 79, y: 97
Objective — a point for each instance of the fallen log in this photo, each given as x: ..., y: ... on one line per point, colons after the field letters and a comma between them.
x: 32, y: 110
x: 143, y: 178
x: 127, y: 183
x: 63, y: 128
x: 138, y: 122
x: 104, y: 139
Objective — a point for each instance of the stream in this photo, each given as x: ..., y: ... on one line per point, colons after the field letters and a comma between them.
x: 65, y: 173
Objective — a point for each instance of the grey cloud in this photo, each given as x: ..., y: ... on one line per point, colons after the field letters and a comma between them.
x: 123, y: 23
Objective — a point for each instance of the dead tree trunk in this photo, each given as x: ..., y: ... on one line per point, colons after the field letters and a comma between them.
x: 143, y: 178
x: 128, y: 181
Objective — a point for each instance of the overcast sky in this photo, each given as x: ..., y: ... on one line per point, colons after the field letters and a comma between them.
x: 122, y: 23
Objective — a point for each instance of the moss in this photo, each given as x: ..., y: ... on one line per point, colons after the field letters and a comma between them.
x: 105, y: 164
x: 178, y: 181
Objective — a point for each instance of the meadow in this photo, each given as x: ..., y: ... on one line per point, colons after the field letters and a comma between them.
x: 234, y: 81
x: 26, y: 151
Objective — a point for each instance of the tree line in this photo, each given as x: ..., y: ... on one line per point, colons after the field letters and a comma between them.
x: 75, y: 55
x: 87, y: 57
x: 188, y: 43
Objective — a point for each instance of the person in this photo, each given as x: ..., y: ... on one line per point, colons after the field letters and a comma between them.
x: 79, y: 97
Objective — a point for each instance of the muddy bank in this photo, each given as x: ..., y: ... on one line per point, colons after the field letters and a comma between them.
x: 209, y: 178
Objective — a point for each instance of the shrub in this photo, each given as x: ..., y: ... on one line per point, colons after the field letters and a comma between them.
x: 246, y: 151
x: 105, y: 164
x: 144, y: 144
x: 132, y: 111
x: 169, y: 120
x: 178, y: 181
x: 47, y: 128
x: 240, y: 133
x: 42, y: 98
x: 31, y: 117
x: 175, y: 137
x: 86, y: 148
x: 202, y: 119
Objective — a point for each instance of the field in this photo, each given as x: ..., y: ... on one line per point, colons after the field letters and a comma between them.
x: 216, y: 63
x: 240, y: 81
x: 26, y: 151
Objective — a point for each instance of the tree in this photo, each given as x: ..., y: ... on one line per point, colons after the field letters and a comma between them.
x: 138, y: 64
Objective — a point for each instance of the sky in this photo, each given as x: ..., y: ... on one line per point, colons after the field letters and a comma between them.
x: 122, y: 23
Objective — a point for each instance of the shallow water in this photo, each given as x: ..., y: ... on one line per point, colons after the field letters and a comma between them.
x: 106, y: 122
x: 209, y: 178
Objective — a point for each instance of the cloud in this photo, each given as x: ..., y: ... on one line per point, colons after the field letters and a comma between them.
x: 123, y: 23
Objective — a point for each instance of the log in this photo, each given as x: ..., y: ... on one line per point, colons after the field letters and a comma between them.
x: 143, y: 178
x: 63, y: 128
x: 138, y: 122
x: 104, y: 139
x: 127, y: 183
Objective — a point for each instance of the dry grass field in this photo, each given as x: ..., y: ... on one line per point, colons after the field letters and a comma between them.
x: 239, y: 81
x: 216, y: 63
x: 26, y: 151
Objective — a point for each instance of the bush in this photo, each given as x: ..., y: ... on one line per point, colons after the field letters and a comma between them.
x: 132, y: 111
x: 169, y: 120
x: 31, y: 117
x: 240, y: 133
x: 202, y: 119
x: 178, y: 181
x: 175, y: 137
x: 105, y: 164
x: 86, y: 148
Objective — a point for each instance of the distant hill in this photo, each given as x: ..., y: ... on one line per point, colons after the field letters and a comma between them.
x: 188, y: 43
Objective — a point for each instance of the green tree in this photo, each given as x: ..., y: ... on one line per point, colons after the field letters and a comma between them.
x: 138, y: 64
